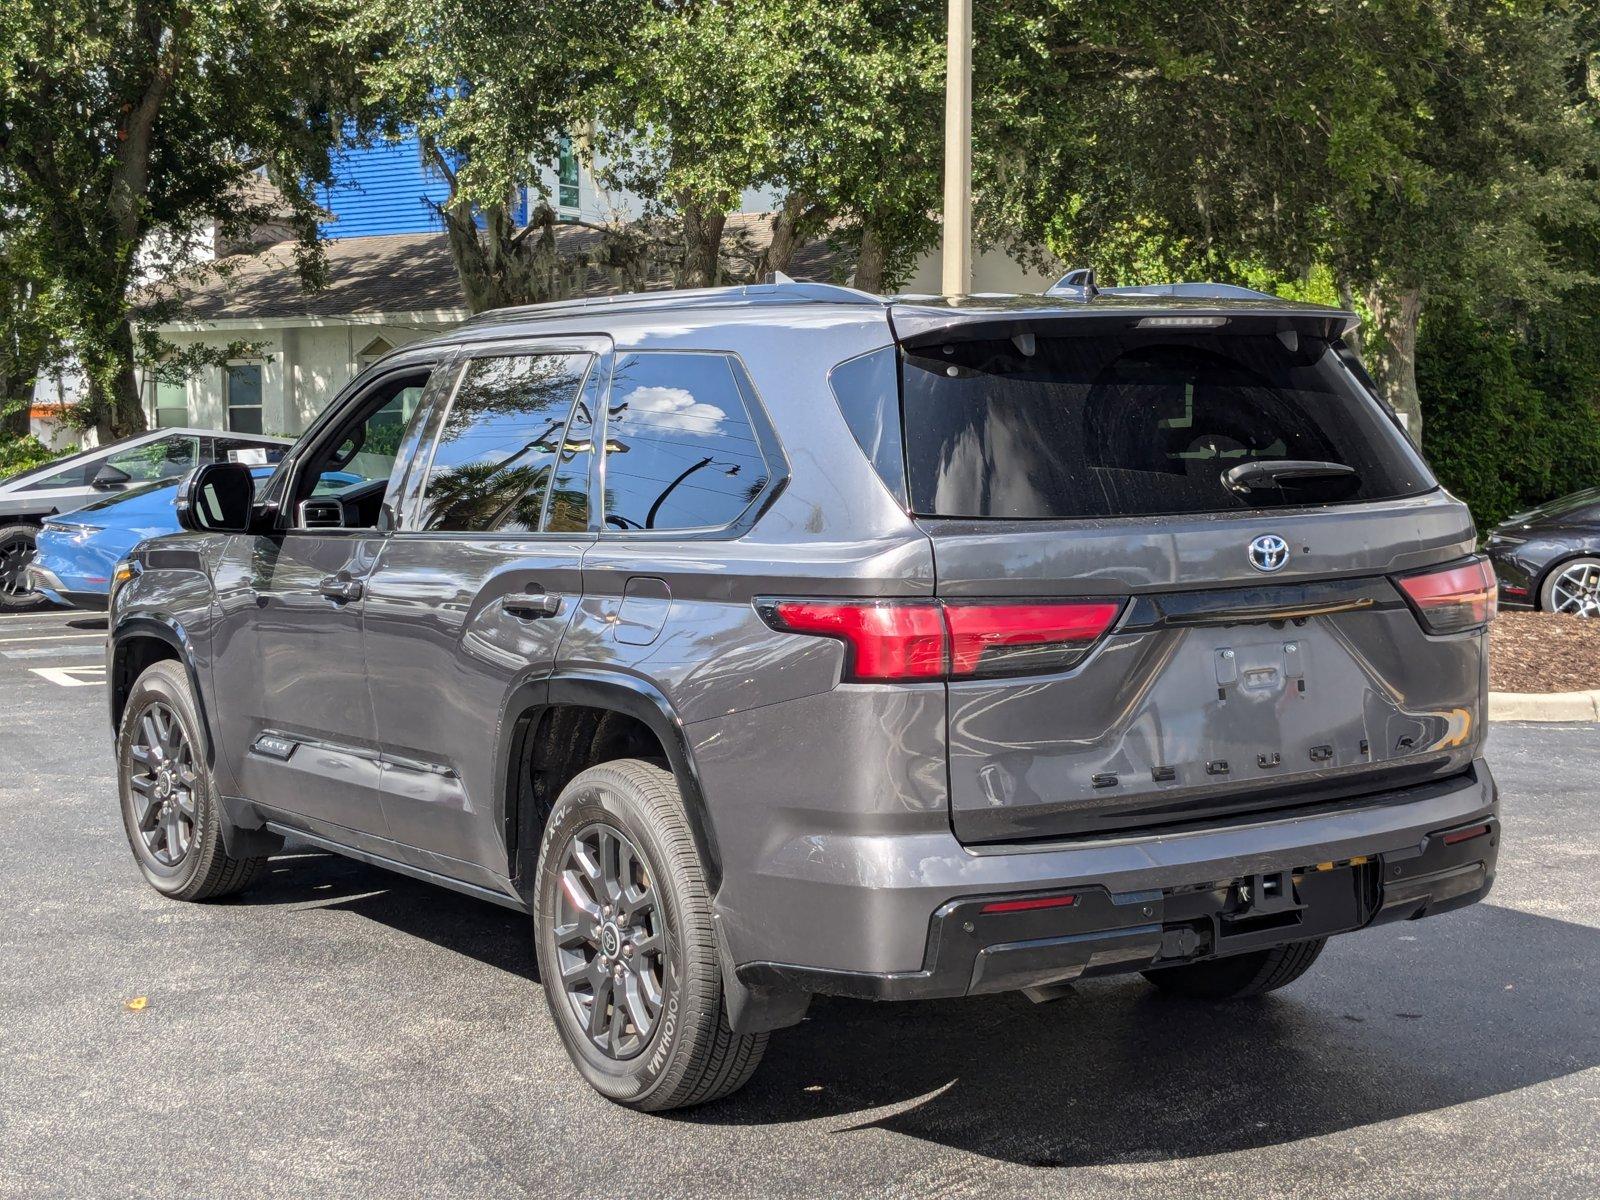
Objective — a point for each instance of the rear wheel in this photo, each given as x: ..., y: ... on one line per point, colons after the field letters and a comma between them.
x: 17, y: 543
x: 626, y: 946
x: 169, y: 805
x: 1239, y: 975
x: 1573, y: 587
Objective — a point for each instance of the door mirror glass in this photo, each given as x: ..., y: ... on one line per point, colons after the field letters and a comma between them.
x: 218, y: 498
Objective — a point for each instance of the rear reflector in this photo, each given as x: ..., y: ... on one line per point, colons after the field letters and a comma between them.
x: 1005, y: 906
x: 1464, y: 835
x: 1455, y: 599
x: 930, y: 639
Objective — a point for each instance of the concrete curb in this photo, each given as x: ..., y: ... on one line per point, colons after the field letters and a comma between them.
x: 1546, y: 706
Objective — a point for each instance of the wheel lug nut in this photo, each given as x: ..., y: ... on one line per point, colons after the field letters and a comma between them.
x: 628, y: 950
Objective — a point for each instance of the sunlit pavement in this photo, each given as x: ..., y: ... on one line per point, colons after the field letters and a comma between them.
x: 347, y: 1032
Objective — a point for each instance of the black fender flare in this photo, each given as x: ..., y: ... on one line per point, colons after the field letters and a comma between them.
x: 619, y: 692
x: 162, y: 629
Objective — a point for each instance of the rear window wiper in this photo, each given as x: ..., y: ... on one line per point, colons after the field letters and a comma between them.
x: 1282, y: 472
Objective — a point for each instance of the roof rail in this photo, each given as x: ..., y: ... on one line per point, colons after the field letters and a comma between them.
x: 780, y: 290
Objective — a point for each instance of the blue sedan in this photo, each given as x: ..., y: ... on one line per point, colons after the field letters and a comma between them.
x: 77, y: 551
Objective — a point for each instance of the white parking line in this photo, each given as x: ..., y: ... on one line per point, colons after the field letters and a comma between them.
x: 53, y: 651
x: 71, y: 676
x: 54, y: 637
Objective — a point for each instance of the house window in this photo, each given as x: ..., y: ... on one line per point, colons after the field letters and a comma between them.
x: 172, y: 405
x: 241, y: 385
x: 567, y: 176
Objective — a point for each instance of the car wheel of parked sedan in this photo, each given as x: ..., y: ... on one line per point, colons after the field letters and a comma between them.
x: 169, y: 804
x: 1239, y: 975
x: 16, y: 552
x: 1573, y: 587
x: 626, y: 946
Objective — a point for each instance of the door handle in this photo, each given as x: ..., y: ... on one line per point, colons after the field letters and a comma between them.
x: 340, y: 589
x: 531, y: 606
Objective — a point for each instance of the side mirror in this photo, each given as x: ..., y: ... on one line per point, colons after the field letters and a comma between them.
x: 108, y: 477
x: 218, y: 498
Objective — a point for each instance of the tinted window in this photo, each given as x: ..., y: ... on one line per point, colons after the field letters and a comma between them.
x: 503, y: 433
x: 680, y: 449
x: 868, y: 392
x: 567, y: 510
x: 166, y: 458
x: 1137, y: 424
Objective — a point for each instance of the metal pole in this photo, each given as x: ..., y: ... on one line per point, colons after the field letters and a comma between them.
x: 957, y: 275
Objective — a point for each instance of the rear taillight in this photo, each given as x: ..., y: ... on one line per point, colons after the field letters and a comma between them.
x: 1452, y: 599
x: 931, y: 639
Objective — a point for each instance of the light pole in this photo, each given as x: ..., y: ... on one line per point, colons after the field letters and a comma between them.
x: 957, y: 274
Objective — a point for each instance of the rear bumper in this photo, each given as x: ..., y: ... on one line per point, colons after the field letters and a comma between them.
x: 1178, y: 899
x: 64, y: 591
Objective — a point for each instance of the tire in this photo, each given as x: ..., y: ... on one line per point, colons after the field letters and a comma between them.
x: 16, y: 552
x: 168, y: 800
x: 620, y: 894
x: 1239, y: 975
x: 1580, y: 595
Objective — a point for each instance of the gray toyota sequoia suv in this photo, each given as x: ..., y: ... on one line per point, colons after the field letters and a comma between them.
x: 773, y: 641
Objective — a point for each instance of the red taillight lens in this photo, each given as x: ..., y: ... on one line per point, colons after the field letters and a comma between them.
x: 888, y: 639
x: 1003, y: 639
x: 1454, y: 599
x: 927, y: 639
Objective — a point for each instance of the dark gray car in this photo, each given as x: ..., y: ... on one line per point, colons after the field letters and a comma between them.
x: 785, y: 640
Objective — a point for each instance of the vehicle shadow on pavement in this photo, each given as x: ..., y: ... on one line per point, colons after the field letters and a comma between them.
x: 495, y: 936
x: 1390, y: 1023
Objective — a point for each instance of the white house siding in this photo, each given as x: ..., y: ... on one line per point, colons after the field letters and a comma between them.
x: 303, y: 366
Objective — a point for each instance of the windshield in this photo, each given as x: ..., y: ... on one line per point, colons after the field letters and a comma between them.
x: 1142, y: 423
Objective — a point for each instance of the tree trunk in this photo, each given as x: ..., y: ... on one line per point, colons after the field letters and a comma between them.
x: 1392, y: 351
x: 702, y: 244
x: 114, y: 388
x: 788, y: 235
x: 872, y: 261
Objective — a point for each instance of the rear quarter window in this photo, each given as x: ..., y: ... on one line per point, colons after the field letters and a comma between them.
x: 1140, y: 424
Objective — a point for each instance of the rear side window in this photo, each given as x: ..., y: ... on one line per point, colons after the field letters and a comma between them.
x: 681, y: 450
x: 499, y: 441
x: 868, y: 392
x: 1138, y: 424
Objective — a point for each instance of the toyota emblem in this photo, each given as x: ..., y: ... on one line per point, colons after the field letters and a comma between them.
x: 1268, y: 552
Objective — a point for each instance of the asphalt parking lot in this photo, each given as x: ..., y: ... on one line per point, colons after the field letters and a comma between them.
x: 340, y: 1030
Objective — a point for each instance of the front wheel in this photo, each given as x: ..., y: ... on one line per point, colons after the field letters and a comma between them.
x: 626, y: 946
x: 17, y: 545
x: 169, y: 804
x: 1239, y: 975
x: 1573, y: 587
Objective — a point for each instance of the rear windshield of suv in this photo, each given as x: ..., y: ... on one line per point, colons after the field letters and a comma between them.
x: 1137, y: 424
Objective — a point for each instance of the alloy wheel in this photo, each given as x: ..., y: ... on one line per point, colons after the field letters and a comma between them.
x: 15, y: 555
x: 1577, y: 590
x: 163, y: 779
x: 610, y: 941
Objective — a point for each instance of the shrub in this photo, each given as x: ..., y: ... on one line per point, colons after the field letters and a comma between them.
x: 19, y: 454
x: 1506, y: 424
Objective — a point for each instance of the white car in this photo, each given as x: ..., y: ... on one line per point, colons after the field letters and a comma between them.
x: 71, y: 482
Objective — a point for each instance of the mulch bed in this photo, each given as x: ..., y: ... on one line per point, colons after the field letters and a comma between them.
x: 1543, y: 652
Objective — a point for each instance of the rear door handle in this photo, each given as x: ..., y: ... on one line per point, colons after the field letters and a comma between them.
x: 531, y: 606
x: 341, y: 589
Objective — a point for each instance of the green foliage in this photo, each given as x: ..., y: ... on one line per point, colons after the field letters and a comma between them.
x: 18, y: 454
x: 1510, y: 425
x: 127, y: 129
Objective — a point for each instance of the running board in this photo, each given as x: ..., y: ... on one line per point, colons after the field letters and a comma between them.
x: 377, y: 860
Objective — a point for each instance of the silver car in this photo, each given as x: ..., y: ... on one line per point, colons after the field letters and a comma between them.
x: 771, y: 642
x: 27, y: 499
